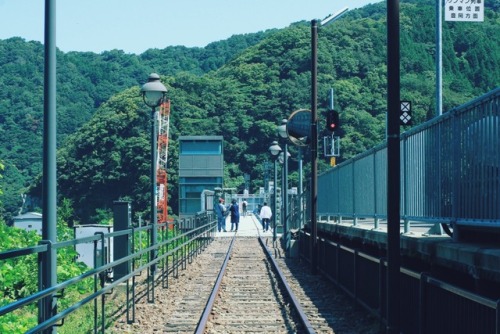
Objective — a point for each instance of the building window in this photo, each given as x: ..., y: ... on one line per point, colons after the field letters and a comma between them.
x: 200, y: 147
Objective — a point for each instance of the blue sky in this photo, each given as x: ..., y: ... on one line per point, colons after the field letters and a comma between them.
x: 137, y: 25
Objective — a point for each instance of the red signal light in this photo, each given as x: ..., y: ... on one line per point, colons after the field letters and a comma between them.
x: 332, y: 120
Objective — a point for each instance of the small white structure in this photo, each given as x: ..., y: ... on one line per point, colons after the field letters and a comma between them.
x: 30, y: 221
x: 86, y: 250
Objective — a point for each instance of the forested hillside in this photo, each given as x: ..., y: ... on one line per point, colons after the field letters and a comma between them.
x: 240, y: 88
x: 84, y: 81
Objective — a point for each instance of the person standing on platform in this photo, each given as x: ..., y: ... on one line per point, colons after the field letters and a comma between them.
x: 265, y: 215
x: 220, y: 211
x: 235, y: 215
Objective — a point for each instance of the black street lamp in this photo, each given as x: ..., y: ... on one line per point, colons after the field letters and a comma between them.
x: 282, y: 132
x: 153, y: 93
x: 275, y: 150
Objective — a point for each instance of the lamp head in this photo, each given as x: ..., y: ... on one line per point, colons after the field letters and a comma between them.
x: 274, y: 149
x: 281, y: 156
x: 330, y: 18
x: 282, y: 132
x: 153, y: 92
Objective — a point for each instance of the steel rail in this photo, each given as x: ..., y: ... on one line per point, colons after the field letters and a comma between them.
x: 202, y: 323
x: 294, y: 301
x: 213, y: 295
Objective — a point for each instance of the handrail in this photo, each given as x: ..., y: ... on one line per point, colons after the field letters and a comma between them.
x: 448, y: 172
x: 13, y: 253
x: 179, y: 242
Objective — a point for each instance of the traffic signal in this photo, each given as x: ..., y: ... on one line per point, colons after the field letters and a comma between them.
x: 332, y: 120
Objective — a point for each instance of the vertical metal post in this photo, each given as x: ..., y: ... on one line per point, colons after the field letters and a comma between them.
x: 439, y: 57
x: 49, y: 184
x: 95, y: 288
x: 284, y: 189
x: 274, y: 198
x: 404, y: 186
x: 314, y: 145
x: 393, y: 167
x: 301, y: 190
x: 353, y: 184
x: 154, y: 227
x: 266, y: 176
x: 376, y: 222
x: 282, y: 208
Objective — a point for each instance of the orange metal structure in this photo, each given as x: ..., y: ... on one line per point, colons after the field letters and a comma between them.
x: 162, y: 158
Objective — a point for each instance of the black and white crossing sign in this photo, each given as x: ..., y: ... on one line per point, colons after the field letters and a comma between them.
x: 464, y: 10
x: 405, y: 115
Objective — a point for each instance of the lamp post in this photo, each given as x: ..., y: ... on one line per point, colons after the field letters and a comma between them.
x: 314, y: 133
x: 153, y: 93
x: 48, y: 305
x: 275, y: 150
x: 284, y: 193
x: 267, y: 167
x: 284, y: 135
x: 301, y: 190
x: 247, y: 183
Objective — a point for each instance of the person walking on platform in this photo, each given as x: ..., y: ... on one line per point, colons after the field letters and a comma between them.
x: 265, y: 215
x: 235, y: 215
x: 220, y: 211
x: 244, y: 204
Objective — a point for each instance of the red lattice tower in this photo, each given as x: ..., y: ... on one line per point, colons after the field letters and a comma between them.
x: 162, y: 158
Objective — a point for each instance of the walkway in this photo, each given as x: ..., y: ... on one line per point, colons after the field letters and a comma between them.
x: 249, y: 226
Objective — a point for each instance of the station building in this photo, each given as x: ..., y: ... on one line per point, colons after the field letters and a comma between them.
x: 201, y: 168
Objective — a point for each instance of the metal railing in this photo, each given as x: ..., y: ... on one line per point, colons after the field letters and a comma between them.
x: 450, y: 172
x: 427, y: 305
x: 174, y: 249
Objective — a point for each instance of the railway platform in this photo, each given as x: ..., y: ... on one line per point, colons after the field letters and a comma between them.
x: 480, y: 259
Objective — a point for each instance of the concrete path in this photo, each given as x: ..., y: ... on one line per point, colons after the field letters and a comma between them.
x: 249, y: 226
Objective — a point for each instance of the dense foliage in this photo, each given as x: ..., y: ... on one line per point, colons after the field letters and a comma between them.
x: 14, y: 285
x: 84, y: 81
x: 240, y: 88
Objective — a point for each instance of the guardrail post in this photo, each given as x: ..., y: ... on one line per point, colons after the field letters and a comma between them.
x: 422, y: 302
x: 95, y: 286
x: 122, y: 220
x: 102, y: 278
x: 497, y: 329
x: 128, y: 299
x: 175, y: 259
x: 47, y: 307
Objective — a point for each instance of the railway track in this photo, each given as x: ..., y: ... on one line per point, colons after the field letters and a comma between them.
x: 249, y: 297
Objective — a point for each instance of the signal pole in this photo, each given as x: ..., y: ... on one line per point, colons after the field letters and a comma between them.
x: 393, y: 167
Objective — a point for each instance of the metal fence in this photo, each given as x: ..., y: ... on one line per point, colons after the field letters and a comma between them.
x: 450, y: 172
x: 427, y: 305
x: 174, y: 249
